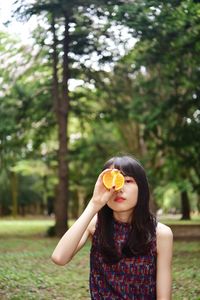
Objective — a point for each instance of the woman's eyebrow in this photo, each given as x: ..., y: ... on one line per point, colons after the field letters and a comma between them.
x: 125, y: 175
x: 129, y: 177
x: 122, y: 173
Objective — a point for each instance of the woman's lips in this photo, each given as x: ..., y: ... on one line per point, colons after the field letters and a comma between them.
x: 119, y: 199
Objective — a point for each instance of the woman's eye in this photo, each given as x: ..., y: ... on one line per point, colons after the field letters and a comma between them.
x: 128, y: 180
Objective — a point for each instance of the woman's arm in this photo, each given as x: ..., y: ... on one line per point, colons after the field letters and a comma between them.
x: 74, y: 238
x: 79, y: 232
x: 164, y: 262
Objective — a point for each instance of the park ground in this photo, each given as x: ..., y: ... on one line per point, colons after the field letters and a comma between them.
x: 26, y: 270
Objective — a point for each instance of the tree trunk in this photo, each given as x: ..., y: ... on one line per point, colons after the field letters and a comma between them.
x: 81, y: 197
x: 61, y: 100
x: 14, y: 190
x: 198, y: 203
x: 185, y: 205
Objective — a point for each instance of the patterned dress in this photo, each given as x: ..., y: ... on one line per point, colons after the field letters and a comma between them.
x: 130, y: 278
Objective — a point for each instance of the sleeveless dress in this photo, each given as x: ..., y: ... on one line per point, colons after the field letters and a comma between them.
x: 130, y: 278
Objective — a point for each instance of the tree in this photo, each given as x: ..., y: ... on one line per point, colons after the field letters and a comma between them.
x: 75, y: 34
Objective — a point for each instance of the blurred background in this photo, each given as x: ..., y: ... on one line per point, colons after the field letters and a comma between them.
x: 81, y: 81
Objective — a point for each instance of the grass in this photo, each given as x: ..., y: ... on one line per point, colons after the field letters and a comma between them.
x: 26, y: 271
x: 20, y: 228
x: 175, y: 219
x: 186, y: 276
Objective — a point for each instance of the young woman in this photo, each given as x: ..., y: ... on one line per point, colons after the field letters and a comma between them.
x: 131, y: 252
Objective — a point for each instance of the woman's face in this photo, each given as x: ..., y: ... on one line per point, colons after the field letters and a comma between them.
x: 126, y: 198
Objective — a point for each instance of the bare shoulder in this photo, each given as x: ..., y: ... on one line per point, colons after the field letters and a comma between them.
x: 92, y: 226
x: 164, y: 236
x: 163, y: 230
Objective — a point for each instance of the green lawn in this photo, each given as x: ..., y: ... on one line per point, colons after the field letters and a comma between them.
x: 175, y: 219
x: 26, y: 271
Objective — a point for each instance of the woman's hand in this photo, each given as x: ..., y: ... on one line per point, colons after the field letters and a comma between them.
x: 101, y: 194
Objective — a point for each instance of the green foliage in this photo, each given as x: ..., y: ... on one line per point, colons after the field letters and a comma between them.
x: 168, y: 196
x: 147, y: 103
x: 28, y: 193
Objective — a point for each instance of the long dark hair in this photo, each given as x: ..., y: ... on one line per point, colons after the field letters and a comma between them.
x: 143, y: 221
